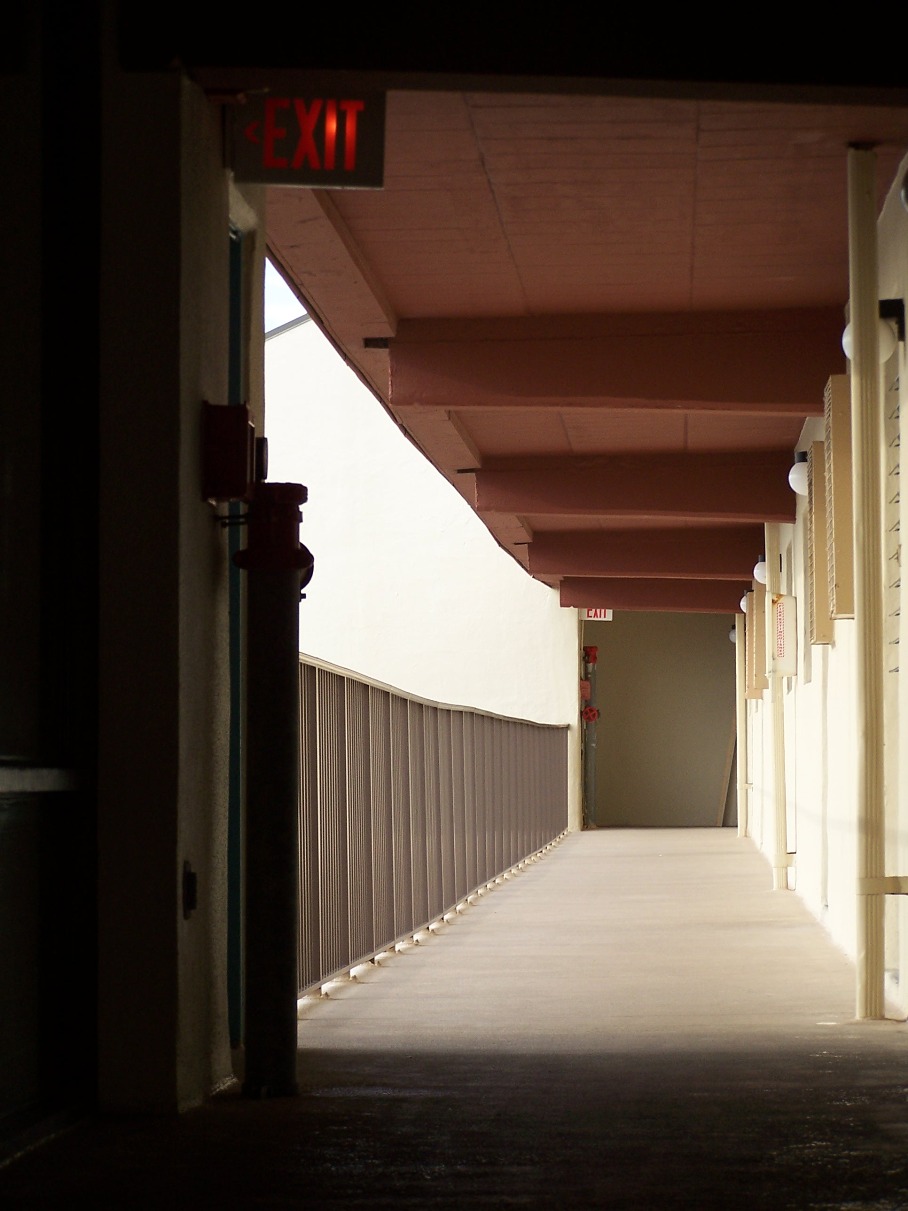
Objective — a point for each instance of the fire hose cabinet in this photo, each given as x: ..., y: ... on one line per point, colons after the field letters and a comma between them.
x: 784, y: 638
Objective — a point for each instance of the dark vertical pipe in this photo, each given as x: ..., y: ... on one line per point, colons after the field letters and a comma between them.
x: 590, y: 716
x: 276, y: 564
x: 235, y: 392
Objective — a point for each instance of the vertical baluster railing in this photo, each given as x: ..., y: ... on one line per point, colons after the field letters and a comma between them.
x: 382, y: 796
x: 432, y: 808
x: 406, y: 807
x: 418, y: 862
x: 470, y: 818
x: 458, y: 806
x: 400, y: 810
x: 359, y: 819
x: 310, y: 938
x: 446, y: 807
x: 332, y: 814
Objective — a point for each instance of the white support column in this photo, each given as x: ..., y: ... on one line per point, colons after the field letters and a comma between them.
x: 779, y: 800
x: 741, y: 718
x: 866, y: 428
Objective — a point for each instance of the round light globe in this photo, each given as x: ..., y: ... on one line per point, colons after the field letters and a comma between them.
x: 797, y: 476
x: 888, y: 339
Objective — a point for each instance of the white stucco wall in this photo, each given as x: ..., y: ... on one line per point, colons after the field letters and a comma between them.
x: 820, y: 727
x: 820, y: 706
x: 409, y: 588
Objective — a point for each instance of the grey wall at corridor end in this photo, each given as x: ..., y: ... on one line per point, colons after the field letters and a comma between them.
x: 666, y: 693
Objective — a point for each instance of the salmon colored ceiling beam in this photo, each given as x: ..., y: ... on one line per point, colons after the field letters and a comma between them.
x: 774, y: 362
x: 675, y: 596
x: 697, y: 487
x: 718, y: 553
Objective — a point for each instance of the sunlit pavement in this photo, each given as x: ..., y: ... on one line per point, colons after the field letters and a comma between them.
x: 635, y: 1020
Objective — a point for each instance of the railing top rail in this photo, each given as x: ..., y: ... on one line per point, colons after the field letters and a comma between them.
x: 328, y: 667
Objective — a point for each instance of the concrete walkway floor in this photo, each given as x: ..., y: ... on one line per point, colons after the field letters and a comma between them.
x: 634, y: 1021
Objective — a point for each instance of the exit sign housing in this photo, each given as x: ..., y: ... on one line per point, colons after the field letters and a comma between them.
x: 320, y: 142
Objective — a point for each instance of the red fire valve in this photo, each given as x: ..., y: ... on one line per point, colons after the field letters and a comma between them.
x: 590, y: 655
x: 274, y: 531
x: 590, y: 714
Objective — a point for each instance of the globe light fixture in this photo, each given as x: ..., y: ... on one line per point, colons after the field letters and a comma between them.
x: 797, y: 476
x: 760, y: 570
x: 888, y: 339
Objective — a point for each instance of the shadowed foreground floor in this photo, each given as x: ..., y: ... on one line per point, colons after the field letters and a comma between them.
x: 635, y: 1021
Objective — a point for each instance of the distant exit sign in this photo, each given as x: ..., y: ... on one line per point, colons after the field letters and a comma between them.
x: 595, y: 615
x: 316, y: 141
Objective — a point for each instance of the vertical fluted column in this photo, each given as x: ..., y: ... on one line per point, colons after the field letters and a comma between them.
x: 741, y: 722
x: 866, y: 431
x: 777, y: 710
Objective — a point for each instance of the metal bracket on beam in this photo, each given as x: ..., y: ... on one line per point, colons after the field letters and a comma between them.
x: 894, y: 309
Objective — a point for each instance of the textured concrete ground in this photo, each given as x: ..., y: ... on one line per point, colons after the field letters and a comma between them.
x: 635, y: 1021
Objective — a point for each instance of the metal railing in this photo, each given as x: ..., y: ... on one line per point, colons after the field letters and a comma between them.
x: 406, y: 808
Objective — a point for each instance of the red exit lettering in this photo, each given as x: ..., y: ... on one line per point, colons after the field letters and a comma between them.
x: 296, y: 133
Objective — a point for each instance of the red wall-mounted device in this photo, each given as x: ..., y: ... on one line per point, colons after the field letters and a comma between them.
x: 228, y: 452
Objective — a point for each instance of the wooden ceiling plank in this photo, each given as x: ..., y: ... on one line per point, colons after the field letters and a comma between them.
x: 704, y: 487
x: 717, y: 553
x: 752, y: 365
x: 675, y: 596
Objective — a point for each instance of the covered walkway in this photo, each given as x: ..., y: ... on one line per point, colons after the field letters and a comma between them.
x: 634, y: 1020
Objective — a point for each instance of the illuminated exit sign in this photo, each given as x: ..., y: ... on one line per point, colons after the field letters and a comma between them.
x: 595, y: 615
x: 317, y: 141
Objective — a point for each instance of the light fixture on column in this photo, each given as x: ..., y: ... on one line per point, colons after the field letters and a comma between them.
x: 760, y: 570
x: 743, y: 604
x: 797, y: 476
x: 891, y: 329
